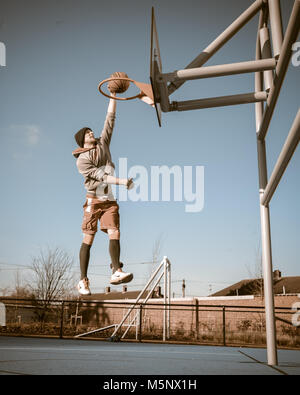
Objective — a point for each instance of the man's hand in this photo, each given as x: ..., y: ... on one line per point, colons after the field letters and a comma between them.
x: 146, y: 99
x: 112, y: 93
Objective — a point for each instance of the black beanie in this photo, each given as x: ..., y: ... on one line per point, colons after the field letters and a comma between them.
x: 79, y: 136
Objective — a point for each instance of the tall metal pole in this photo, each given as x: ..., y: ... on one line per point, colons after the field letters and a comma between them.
x: 268, y: 285
x: 169, y: 300
x: 265, y: 224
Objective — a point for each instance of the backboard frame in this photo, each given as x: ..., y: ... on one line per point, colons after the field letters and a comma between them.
x: 155, y: 66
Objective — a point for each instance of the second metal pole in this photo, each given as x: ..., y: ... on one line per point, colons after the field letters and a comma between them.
x: 165, y: 300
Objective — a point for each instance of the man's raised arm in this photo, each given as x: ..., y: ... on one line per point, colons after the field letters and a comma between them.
x: 109, y: 122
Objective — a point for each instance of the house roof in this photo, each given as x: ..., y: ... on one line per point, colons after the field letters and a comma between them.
x: 283, y: 285
x: 235, y: 289
x: 289, y: 285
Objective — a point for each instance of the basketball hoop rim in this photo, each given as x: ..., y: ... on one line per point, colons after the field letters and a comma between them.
x: 115, y: 97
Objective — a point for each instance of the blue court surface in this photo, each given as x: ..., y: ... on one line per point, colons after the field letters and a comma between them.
x: 44, y: 356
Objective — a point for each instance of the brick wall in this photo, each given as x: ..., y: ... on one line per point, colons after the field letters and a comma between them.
x: 237, y: 319
x: 200, y: 318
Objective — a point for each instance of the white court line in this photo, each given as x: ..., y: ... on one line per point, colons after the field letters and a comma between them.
x: 111, y: 350
x: 264, y: 364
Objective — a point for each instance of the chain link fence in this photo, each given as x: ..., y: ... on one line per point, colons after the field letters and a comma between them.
x: 188, y: 323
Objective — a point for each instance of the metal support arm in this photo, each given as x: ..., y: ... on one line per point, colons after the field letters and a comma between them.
x: 281, y: 68
x: 220, y: 70
x: 285, y: 156
x: 221, y: 40
x: 219, y: 101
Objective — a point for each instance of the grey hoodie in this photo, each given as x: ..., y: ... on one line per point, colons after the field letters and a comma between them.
x: 93, y: 163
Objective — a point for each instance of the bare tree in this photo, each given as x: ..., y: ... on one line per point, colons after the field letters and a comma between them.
x: 20, y: 291
x: 52, y: 276
x: 256, y: 285
x: 259, y: 271
x: 4, y: 291
x: 52, y: 280
x: 156, y: 253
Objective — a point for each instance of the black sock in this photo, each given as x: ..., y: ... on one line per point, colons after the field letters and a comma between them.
x: 84, y: 257
x: 114, y: 250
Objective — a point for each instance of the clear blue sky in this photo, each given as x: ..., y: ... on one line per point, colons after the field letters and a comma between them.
x: 57, y: 53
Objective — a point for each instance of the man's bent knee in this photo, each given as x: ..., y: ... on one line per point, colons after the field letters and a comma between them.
x: 113, y: 234
x: 88, y: 239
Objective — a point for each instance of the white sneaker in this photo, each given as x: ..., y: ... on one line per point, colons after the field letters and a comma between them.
x: 120, y: 277
x: 83, y: 287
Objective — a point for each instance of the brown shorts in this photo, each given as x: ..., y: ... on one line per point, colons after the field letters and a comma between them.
x: 106, y: 212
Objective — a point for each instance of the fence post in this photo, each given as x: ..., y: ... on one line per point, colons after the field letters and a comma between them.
x: 224, y: 327
x: 197, y: 318
x: 62, y: 320
x: 140, y: 322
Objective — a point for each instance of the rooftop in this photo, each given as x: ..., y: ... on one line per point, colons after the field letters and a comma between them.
x: 282, y: 285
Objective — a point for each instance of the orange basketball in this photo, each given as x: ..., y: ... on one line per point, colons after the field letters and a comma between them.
x: 118, y: 86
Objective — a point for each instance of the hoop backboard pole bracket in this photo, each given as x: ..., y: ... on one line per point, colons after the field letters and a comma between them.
x: 290, y: 37
x: 276, y: 26
x: 265, y: 218
x: 285, y: 156
x: 161, y: 88
x: 221, y: 70
x: 221, y: 40
x: 219, y: 101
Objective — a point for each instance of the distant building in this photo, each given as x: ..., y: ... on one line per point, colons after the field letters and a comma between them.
x: 124, y: 294
x: 282, y: 286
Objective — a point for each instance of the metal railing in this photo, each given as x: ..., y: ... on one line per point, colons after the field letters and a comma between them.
x: 190, y: 322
